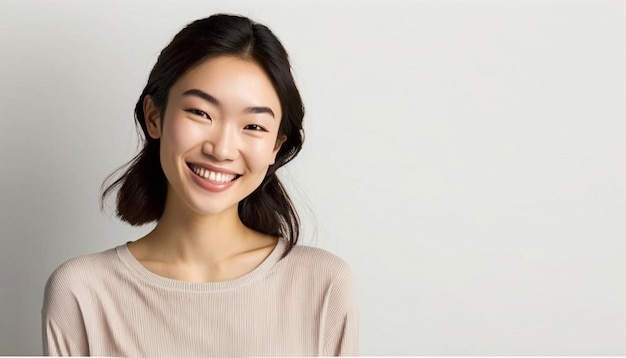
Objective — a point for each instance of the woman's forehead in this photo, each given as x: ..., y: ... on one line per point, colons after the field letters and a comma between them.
x: 231, y: 82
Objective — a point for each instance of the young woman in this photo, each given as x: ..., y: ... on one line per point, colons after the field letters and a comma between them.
x: 220, y: 274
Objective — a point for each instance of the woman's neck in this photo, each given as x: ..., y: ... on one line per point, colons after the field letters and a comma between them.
x: 188, y: 246
x: 192, y: 238
x: 184, y: 236
x: 211, y: 249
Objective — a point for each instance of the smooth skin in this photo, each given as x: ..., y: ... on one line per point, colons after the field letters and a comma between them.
x: 200, y: 237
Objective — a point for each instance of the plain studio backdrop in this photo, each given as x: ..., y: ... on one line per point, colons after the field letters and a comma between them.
x: 466, y: 158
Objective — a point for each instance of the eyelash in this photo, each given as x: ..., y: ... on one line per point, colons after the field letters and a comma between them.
x: 257, y: 127
x: 198, y: 112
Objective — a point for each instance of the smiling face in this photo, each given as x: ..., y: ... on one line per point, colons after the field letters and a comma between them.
x: 219, y: 134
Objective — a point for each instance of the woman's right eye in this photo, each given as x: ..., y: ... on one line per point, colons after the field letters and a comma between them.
x: 198, y: 112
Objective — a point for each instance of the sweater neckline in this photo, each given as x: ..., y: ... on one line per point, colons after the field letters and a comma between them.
x: 139, y: 270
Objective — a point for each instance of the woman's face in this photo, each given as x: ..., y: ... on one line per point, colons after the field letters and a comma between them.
x: 219, y: 133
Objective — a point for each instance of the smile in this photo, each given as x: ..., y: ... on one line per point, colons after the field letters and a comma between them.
x: 211, y: 175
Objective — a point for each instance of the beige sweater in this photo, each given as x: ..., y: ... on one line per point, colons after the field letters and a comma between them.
x: 108, y: 304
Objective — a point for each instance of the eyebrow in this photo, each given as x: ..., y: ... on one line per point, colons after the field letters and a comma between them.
x: 207, y: 97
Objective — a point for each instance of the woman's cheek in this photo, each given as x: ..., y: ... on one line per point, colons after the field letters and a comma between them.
x: 262, y: 155
x: 184, y: 135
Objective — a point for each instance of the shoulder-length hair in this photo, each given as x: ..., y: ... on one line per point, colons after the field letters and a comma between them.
x: 142, y: 187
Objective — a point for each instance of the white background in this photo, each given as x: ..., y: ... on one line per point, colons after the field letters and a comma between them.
x: 466, y: 158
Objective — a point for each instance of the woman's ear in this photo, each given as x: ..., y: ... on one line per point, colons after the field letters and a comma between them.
x: 152, y: 117
x: 279, y: 142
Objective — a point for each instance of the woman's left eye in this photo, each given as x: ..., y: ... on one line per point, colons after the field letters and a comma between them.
x: 255, y: 127
x: 198, y: 112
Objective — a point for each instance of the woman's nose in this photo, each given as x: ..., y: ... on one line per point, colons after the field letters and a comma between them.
x: 221, y: 144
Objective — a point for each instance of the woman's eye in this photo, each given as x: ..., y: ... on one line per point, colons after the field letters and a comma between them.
x: 255, y: 127
x: 198, y: 112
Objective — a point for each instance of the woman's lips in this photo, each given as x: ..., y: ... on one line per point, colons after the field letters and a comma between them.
x: 212, y: 175
x: 212, y: 181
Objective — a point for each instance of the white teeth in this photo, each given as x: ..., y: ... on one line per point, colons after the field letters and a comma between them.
x: 213, y: 176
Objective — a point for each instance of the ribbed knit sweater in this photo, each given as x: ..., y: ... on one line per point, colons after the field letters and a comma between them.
x: 109, y: 304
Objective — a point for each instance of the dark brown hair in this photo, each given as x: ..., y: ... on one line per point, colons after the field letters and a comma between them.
x: 142, y: 187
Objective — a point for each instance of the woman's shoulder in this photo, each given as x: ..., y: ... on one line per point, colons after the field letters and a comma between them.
x: 78, y: 271
x: 84, y: 264
x: 316, y: 254
x: 317, y: 260
x: 317, y: 270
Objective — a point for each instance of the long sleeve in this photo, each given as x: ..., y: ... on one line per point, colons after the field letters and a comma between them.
x: 341, y: 321
x: 57, y: 343
x: 63, y: 332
